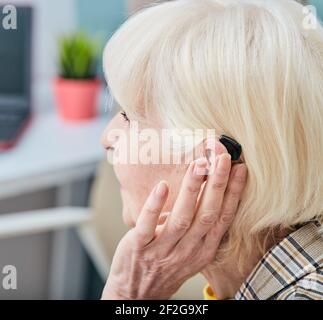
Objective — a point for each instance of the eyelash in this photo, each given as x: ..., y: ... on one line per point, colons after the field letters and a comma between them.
x: 124, y: 116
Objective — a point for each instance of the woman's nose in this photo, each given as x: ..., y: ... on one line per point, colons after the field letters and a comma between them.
x: 108, y: 139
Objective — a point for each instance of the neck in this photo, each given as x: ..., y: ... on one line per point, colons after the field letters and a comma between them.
x: 226, y: 279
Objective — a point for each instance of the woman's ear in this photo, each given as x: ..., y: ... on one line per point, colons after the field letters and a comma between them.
x: 209, y: 149
x: 203, y: 149
x: 210, y: 145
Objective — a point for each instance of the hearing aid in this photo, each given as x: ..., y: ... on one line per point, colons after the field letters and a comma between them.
x: 232, y: 146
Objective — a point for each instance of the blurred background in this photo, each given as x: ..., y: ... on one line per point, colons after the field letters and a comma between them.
x: 60, y: 209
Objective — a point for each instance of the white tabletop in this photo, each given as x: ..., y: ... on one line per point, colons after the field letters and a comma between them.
x: 51, y: 152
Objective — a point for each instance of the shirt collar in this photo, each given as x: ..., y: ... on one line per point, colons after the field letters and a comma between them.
x: 298, y: 254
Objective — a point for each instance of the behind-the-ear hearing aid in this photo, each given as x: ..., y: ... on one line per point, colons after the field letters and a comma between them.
x: 232, y: 146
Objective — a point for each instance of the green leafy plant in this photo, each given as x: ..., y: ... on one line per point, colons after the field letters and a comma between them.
x: 77, y: 56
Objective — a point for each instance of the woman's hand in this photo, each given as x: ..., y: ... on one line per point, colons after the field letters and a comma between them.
x: 152, y: 261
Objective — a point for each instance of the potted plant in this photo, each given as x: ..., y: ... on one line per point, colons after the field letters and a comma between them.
x: 77, y: 86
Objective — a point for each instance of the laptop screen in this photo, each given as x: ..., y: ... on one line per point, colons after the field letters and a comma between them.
x: 15, y: 58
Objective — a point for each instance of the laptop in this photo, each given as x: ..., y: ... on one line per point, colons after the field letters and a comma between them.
x: 15, y: 77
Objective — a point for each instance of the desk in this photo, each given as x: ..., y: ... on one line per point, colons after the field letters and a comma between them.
x: 50, y: 154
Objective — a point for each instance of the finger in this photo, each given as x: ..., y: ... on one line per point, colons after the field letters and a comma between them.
x: 212, y: 198
x: 184, y: 208
x: 219, y: 149
x: 236, y: 185
x: 213, y: 148
x: 148, y: 218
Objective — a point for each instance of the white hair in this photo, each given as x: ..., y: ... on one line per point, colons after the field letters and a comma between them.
x: 250, y: 70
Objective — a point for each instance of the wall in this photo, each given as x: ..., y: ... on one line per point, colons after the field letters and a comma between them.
x: 103, y: 18
x: 319, y: 6
x: 100, y: 21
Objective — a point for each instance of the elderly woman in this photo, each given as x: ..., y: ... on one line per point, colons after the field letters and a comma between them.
x: 250, y: 222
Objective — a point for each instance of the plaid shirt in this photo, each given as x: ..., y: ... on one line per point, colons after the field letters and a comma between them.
x: 291, y: 270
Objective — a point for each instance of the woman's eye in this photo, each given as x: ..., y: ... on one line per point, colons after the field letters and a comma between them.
x: 124, y: 116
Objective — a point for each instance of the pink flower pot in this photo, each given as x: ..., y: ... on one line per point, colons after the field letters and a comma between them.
x: 76, y: 100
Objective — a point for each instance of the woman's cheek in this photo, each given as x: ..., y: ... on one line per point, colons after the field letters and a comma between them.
x: 137, y: 181
x: 135, y: 186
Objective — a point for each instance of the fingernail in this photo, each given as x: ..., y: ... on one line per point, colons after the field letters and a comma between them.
x: 161, y: 189
x: 200, y: 166
x: 201, y: 162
